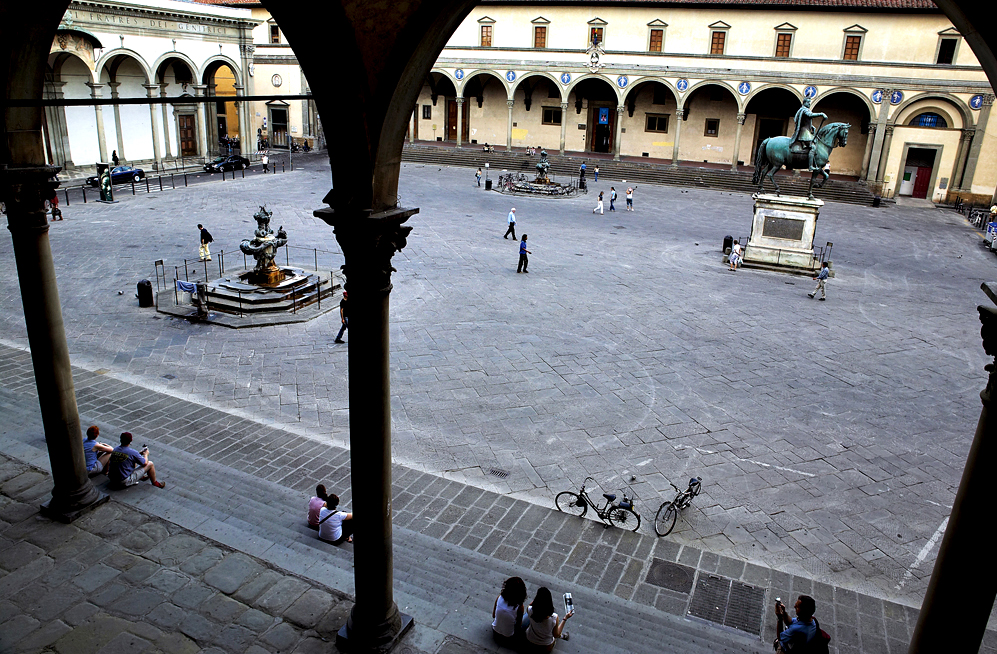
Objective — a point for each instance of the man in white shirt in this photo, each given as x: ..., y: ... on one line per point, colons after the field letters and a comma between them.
x: 334, y: 526
x: 512, y: 224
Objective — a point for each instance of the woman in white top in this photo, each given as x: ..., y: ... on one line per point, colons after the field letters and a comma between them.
x: 542, y: 626
x: 507, y: 614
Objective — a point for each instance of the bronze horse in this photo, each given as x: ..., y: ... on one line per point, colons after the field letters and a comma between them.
x: 774, y: 153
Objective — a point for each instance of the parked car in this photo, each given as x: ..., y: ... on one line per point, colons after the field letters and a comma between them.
x: 120, y: 175
x: 231, y: 162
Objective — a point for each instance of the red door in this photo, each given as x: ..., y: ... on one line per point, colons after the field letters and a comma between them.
x: 451, y: 120
x: 921, y: 182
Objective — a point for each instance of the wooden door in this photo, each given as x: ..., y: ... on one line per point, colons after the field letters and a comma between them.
x: 921, y: 182
x: 451, y: 120
x: 465, y: 124
x: 188, y: 136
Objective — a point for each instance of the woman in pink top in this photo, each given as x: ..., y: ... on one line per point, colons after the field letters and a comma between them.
x: 315, y: 506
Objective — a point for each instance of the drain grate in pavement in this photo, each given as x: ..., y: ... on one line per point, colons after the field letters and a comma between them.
x: 501, y: 474
x: 730, y: 603
x: 169, y: 376
x: 671, y: 576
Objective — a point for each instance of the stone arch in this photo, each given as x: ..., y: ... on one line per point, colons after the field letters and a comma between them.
x: 222, y: 118
x: 710, y: 82
x: 57, y: 60
x: 211, y: 65
x: 114, y: 59
x: 850, y: 91
x: 631, y: 89
x: 955, y: 108
x: 553, y: 79
x: 756, y: 90
x: 587, y: 77
x: 166, y: 59
x: 483, y: 72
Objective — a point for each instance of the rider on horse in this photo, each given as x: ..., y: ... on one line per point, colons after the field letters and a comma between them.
x: 802, y: 140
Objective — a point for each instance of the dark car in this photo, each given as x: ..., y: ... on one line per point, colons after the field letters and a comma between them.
x: 120, y: 175
x: 231, y: 162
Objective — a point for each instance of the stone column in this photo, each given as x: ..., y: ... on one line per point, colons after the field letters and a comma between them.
x: 411, y: 125
x: 679, y: 115
x: 211, y: 121
x: 870, y: 137
x: 57, y: 127
x: 243, y: 128
x: 99, y: 113
x: 156, y: 151
x: 737, y: 140
x: 24, y: 191
x: 977, y: 145
x: 368, y: 241
x: 460, y: 120
x: 508, y: 134
x: 960, y: 159
x: 117, y: 121
x: 166, y: 121
x: 884, y: 157
x: 202, y: 112
x: 877, y: 145
x: 618, y: 135
x: 564, y: 123
x: 956, y: 594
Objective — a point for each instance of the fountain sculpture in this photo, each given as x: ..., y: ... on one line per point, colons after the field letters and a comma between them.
x: 264, y: 248
x: 541, y: 185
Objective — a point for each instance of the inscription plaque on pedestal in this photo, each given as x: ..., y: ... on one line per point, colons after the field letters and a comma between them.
x: 779, y: 227
x: 782, y: 232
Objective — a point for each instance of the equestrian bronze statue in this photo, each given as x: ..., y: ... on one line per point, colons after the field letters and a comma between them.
x: 807, y: 149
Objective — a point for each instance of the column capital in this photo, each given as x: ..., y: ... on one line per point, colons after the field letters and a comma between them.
x: 968, y: 133
x: 872, y: 129
x: 741, y: 117
x: 162, y: 89
x: 200, y: 89
x: 620, y: 109
x: 510, y: 103
x: 150, y: 89
x: 564, y: 107
x: 94, y: 89
x: 988, y: 99
x: 459, y: 99
x: 25, y: 191
x: 247, y: 49
x: 680, y: 113
x: 889, y: 130
x: 369, y: 241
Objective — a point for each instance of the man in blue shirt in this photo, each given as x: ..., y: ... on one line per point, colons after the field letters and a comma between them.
x: 128, y: 467
x: 821, y: 278
x: 524, y: 260
x: 800, y: 630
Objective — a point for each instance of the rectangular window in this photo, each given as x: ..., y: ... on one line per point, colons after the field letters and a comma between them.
x: 486, y: 36
x: 946, y: 51
x: 852, y: 44
x: 657, y: 36
x: 539, y: 36
x: 656, y: 123
x: 717, y: 45
x: 712, y: 127
x: 552, y: 116
x: 595, y: 35
x: 427, y: 111
x: 274, y: 34
x: 782, y: 45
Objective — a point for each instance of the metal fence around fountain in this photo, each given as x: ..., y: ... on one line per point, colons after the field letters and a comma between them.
x: 198, y: 270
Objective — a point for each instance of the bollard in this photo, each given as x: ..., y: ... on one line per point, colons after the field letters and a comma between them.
x: 133, y: 187
x: 160, y: 183
x: 185, y: 178
x: 173, y: 181
x: 66, y: 191
x: 84, y: 189
x: 186, y: 274
x: 316, y: 259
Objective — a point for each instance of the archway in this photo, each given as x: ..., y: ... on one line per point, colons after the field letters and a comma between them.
x: 710, y: 128
x: 769, y: 113
x: 69, y: 76
x: 485, y: 111
x: 848, y: 107
x: 438, y: 120
x: 536, y: 112
x: 929, y: 148
x: 222, y: 121
x: 175, y: 76
x: 649, y: 120
x: 595, y: 100
x: 125, y: 75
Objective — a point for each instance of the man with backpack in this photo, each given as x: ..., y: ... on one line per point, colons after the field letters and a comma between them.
x: 204, y: 251
x: 802, y: 633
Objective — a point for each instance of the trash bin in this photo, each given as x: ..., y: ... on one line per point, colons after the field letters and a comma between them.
x: 728, y: 243
x: 145, y: 293
x: 488, y: 184
x: 877, y: 201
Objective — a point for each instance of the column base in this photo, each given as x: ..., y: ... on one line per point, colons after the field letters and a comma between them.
x: 349, y: 642
x: 71, y: 513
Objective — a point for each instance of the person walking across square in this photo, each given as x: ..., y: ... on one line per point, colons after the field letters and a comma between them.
x: 344, y: 315
x: 612, y: 198
x: 206, y: 239
x: 524, y: 260
x: 630, y: 197
x: 477, y: 176
x: 598, y: 206
x: 735, y: 255
x: 821, y: 279
x: 595, y: 176
x: 265, y: 159
x: 512, y: 225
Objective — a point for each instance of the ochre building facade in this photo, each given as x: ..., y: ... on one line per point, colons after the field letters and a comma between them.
x: 697, y: 82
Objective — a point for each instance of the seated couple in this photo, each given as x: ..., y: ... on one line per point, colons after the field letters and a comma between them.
x: 532, y: 629
x: 123, y: 465
x: 333, y: 526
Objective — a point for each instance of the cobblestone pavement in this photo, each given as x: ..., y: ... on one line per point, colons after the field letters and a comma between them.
x: 830, y: 435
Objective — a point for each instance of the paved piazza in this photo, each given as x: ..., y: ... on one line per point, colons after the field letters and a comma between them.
x: 830, y: 435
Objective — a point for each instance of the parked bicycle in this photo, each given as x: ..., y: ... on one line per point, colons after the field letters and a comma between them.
x: 664, y: 519
x: 619, y: 513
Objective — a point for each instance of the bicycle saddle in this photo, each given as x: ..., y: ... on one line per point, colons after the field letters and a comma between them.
x: 609, y: 496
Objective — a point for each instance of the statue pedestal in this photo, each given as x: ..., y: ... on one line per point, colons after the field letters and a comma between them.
x: 267, y: 277
x: 782, y: 232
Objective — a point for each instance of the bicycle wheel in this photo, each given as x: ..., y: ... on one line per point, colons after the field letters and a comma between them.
x: 664, y: 520
x: 568, y: 502
x: 624, y: 518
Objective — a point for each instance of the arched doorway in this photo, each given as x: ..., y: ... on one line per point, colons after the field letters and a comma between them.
x: 536, y: 112
x: 769, y: 113
x: 596, y: 100
x: 131, y: 137
x: 649, y: 121
x: 848, y: 107
x: 484, y: 108
x: 175, y: 76
x: 439, y: 121
x: 927, y: 148
x: 222, y: 122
